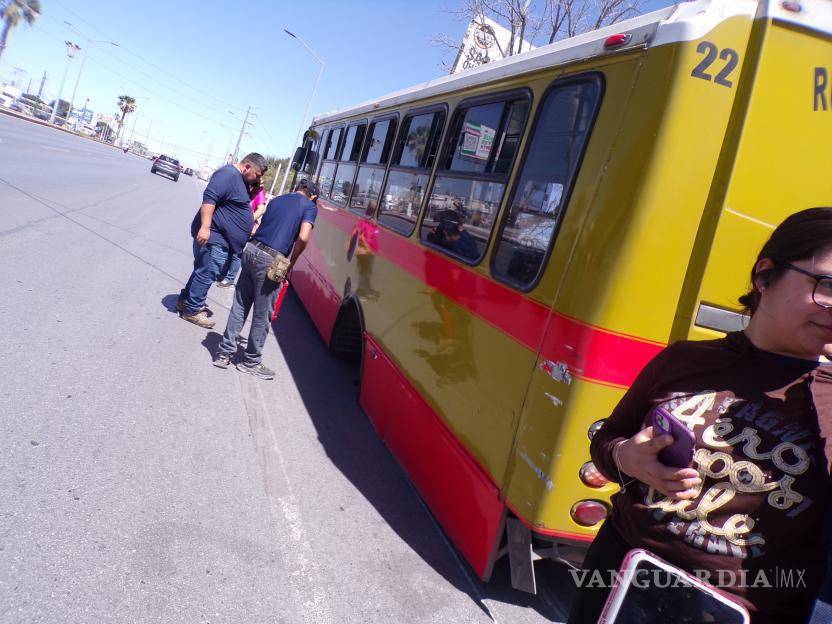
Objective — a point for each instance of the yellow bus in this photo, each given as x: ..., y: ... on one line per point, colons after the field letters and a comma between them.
x: 503, y: 249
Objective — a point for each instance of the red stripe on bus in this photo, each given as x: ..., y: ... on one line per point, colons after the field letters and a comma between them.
x: 588, y: 352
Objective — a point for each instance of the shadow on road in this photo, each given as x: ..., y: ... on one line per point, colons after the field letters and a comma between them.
x: 328, y: 386
x: 169, y: 303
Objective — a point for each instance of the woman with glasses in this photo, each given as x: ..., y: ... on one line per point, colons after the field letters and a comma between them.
x: 747, y: 514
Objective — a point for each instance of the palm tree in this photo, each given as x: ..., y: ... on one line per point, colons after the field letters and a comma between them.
x: 126, y: 105
x: 12, y: 11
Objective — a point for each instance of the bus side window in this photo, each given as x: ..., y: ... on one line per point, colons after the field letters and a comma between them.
x: 342, y: 185
x: 468, y: 190
x: 413, y: 156
x: 330, y: 153
x: 373, y: 164
x: 552, y: 158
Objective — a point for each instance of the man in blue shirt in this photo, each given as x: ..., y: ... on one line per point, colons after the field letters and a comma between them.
x: 220, y: 228
x: 285, y: 229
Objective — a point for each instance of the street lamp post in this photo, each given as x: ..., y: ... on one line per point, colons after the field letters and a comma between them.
x: 71, y: 49
x: 90, y: 43
x: 308, y: 105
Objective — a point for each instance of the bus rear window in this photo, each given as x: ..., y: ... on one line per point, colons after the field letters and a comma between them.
x: 554, y: 153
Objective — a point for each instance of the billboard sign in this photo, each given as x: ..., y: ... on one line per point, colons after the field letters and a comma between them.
x: 485, y: 41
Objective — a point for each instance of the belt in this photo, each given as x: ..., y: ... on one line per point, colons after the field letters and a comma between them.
x: 266, y: 248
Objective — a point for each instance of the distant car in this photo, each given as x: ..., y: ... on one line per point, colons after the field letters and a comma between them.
x: 6, y: 100
x: 167, y: 166
x: 188, y: 171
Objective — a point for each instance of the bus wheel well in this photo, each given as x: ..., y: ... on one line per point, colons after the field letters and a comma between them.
x: 347, y: 338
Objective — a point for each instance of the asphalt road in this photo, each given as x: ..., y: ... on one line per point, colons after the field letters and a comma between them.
x: 138, y: 483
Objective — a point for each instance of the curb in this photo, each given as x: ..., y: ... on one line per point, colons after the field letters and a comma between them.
x: 46, y: 124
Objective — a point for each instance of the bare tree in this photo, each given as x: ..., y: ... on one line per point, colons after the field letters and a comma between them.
x: 567, y: 18
x: 538, y: 21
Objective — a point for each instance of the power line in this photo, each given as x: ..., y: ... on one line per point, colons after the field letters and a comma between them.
x: 130, y: 80
x: 151, y: 64
x: 155, y: 79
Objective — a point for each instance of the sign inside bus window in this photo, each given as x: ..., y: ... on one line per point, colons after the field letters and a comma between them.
x: 477, y: 141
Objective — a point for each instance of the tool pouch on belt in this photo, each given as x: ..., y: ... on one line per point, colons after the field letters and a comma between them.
x: 278, y: 268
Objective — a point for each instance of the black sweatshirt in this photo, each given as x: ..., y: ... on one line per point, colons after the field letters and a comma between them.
x: 762, y: 422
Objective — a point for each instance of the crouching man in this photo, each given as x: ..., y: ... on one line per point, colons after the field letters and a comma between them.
x: 285, y: 229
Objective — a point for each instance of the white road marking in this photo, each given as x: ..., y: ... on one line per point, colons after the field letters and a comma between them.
x: 302, y: 567
x: 54, y: 149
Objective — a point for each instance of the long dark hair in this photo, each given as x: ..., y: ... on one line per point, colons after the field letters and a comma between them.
x: 804, y: 234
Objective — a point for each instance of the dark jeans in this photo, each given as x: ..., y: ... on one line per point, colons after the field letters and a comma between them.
x: 230, y: 274
x: 210, y: 261
x: 606, y: 552
x: 254, y: 290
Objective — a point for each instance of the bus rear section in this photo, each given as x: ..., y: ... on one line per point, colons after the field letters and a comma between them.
x: 722, y: 154
x: 776, y: 161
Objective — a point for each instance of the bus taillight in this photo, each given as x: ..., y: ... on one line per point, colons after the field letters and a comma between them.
x: 589, y: 512
x: 591, y: 476
x: 615, y: 41
x: 594, y: 427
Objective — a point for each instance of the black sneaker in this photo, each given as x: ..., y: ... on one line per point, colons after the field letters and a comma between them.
x: 222, y: 361
x: 225, y: 284
x: 258, y: 370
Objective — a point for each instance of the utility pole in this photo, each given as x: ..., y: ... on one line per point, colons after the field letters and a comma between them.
x: 135, y: 121
x: 242, y: 132
x: 42, y: 82
x: 71, y: 49
x: 29, y: 88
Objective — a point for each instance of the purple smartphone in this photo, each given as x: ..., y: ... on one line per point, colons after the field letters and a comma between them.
x: 680, y: 453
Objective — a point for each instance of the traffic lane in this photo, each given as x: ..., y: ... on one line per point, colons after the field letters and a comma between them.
x: 56, y: 172
x: 129, y: 490
x: 324, y: 391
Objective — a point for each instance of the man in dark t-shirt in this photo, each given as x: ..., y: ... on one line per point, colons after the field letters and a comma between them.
x: 220, y: 228
x: 285, y: 229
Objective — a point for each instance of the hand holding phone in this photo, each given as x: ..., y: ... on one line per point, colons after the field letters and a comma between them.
x: 680, y: 453
x: 638, y: 457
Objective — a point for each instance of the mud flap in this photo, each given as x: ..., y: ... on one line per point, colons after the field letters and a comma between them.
x: 520, y: 556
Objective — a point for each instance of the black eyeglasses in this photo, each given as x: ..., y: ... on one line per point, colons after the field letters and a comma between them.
x: 822, y: 294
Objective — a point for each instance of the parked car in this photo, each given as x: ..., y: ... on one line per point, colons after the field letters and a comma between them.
x: 188, y: 171
x: 6, y: 100
x: 166, y: 165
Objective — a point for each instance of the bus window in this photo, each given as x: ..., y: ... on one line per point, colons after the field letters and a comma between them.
x: 331, y: 151
x: 371, y: 172
x: 407, y: 181
x: 552, y: 158
x: 467, y: 192
x: 342, y: 185
x: 325, y: 178
x: 352, y: 142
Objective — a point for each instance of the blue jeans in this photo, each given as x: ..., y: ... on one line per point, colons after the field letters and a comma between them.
x: 230, y: 274
x: 254, y: 290
x: 210, y: 261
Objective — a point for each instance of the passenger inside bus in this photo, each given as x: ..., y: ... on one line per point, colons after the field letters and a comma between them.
x: 450, y: 233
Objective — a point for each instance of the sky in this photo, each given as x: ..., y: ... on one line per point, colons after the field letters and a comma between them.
x: 195, y: 66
